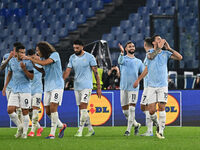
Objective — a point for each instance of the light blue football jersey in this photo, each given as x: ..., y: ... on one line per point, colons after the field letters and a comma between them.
x: 21, y: 83
x: 129, y: 70
x: 53, y: 74
x: 36, y: 83
x: 9, y: 87
x: 157, y: 69
x: 82, y: 68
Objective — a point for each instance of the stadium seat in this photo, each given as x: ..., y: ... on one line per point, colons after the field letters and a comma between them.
x: 75, y: 12
x: 116, y: 30
x: 89, y: 12
x: 72, y: 26
x: 131, y: 31
x: 124, y: 24
x: 82, y: 5
x: 80, y: 19
x: 107, y: 37
x: 69, y: 5
x: 189, y: 80
x: 97, y: 5
x: 134, y: 17
x: 62, y: 32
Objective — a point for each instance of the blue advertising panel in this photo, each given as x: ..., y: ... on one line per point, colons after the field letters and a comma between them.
x: 183, y: 109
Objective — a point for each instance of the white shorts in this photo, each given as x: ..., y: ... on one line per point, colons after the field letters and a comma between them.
x: 144, y: 97
x: 82, y: 96
x: 54, y: 96
x: 8, y: 92
x: 128, y: 97
x: 36, y: 99
x: 22, y: 100
x: 157, y: 94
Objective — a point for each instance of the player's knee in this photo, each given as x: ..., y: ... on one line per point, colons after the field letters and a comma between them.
x: 10, y: 111
x: 25, y: 112
x: 151, y: 112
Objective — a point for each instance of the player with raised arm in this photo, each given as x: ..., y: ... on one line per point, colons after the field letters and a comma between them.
x: 36, y: 96
x: 21, y: 72
x: 83, y: 64
x: 53, y: 84
x: 130, y: 67
x: 4, y: 65
x: 157, y: 81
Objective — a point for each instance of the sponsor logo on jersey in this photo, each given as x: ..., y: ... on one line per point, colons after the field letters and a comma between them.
x: 99, y: 110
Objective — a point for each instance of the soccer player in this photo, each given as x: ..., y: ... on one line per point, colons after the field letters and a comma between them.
x: 144, y: 104
x: 157, y: 81
x: 53, y: 84
x: 36, y: 95
x: 83, y: 64
x: 4, y: 65
x: 130, y: 67
x: 21, y: 72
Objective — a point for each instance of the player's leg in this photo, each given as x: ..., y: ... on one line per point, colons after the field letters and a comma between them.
x: 36, y: 100
x: 144, y: 108
x: 88, y: 122
x: 124, y: 103
x: 162, y: 100
x: 132, y: 98
x: 152, y: 100
x: 84, y: 96
x: 13, y: 102
x: 25, y: 104
x: 55, y: 101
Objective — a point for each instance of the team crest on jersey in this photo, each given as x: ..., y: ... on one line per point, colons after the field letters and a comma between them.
x: 172, y: 110
x: 99, y: 110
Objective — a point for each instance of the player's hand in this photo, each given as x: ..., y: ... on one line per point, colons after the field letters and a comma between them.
x: 166, y: 45
x: 136, y: 83
x: 23, y: 66
x: 4, y: 91
x: 99, y: 92
x: 26, y: 57
x: 161, y: 43
x: 121, y: 48
x: 11, y: 55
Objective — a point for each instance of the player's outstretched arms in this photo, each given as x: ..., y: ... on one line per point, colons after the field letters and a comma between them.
x: 144, y: 73
x: 38, y: 61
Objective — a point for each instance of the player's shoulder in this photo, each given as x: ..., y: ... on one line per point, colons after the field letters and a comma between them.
x: 89, y: 54
x: 54, y: 54
x: 72, y: 56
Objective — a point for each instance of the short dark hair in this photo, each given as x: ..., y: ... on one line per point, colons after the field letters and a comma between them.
x: 128, y: 42
x: 154, y: 36
x: 78, y: 42
x: 17, y: 44
x: 30, y: 52
x: 148, y: 41
x: 19, y: 47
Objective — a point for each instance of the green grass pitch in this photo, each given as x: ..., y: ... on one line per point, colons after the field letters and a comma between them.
x: 106, y: 138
